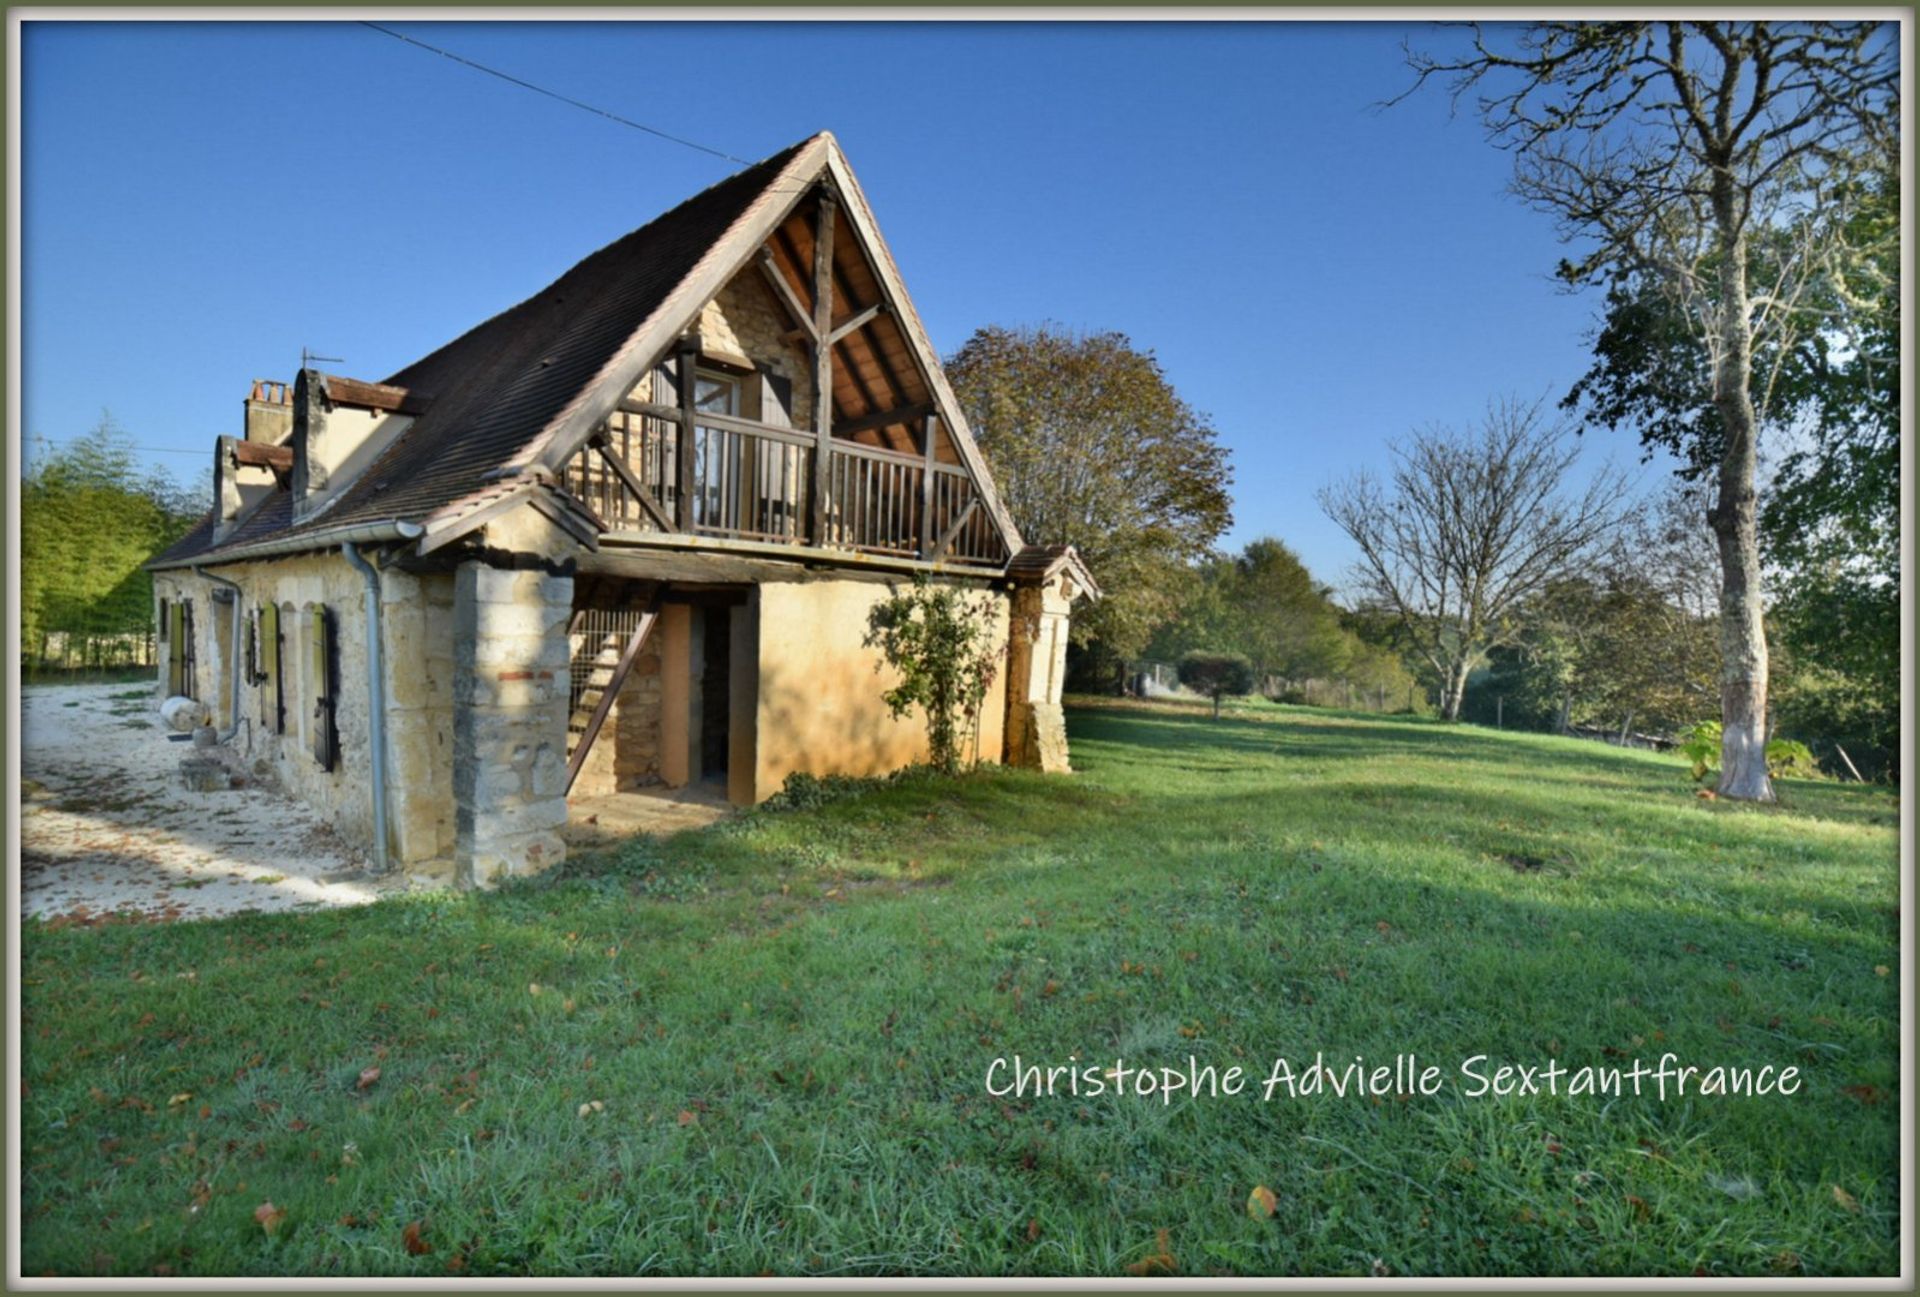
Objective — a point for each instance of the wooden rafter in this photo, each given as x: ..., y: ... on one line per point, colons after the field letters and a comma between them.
x: 784, y: 291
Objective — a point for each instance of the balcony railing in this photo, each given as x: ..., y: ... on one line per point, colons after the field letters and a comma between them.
x: 748, y: 481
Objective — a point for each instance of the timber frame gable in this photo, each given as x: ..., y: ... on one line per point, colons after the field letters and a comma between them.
x: 816, y: 189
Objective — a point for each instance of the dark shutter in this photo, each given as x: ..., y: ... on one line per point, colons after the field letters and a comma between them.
x: 320, y: 653
x: 170, y: 621
x: 186, y: 649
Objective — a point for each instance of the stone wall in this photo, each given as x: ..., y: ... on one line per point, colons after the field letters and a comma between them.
x: 627, y: 753
x: 417, y: 612
x: 510, y: 721
x: 745, y: 320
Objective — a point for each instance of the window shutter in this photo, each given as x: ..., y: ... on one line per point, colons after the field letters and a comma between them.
x: 171, y: 615
x: 186, y: 649
x: 776, y: 399
x: 326, y: 745
x: 273, y: 703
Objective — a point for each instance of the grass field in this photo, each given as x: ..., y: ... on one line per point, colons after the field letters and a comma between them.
x: 762, y: 1048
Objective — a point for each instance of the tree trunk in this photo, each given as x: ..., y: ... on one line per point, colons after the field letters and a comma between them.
x: 1454, y: 690
x: 1743, y: 636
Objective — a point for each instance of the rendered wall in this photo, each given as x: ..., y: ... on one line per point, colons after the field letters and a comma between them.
x: 819, y: 706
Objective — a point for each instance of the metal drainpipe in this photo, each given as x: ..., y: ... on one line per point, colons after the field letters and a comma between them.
x: 233, y: 647
x: 376, y: 705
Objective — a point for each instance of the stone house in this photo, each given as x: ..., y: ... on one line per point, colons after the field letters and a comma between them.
x: 625, y: 534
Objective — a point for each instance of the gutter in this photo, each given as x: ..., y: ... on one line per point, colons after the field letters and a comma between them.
x: 322, y: 538
x: 233, y: 651
x: 376, y: 705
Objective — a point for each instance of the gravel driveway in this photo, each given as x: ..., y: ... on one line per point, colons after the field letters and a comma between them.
x: 107, y: 827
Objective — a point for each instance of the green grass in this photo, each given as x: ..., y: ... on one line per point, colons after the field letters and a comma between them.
x: 786, y: 1022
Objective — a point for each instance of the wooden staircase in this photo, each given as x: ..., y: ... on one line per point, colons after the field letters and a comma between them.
x: 597, y: 673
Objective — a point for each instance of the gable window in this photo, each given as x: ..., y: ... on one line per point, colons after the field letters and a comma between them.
x: 323, y: 685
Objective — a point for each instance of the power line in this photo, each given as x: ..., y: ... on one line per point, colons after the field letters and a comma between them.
x: 118, y: 445
x: 553, y: 94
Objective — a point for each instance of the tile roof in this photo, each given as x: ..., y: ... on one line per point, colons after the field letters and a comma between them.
x: 497, y: 388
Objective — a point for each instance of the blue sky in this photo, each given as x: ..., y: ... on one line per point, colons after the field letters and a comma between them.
x: 202, y: 200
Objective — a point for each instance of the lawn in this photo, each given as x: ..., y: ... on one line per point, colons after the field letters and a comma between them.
x: 763, y: 1047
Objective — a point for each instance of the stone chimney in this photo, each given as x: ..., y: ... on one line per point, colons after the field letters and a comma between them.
x: 269, y: 412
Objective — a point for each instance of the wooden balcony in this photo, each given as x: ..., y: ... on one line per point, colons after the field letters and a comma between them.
x: 737, y: 480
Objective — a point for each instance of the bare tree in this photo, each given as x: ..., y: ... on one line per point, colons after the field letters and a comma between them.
x: 1675, y: 153
x: 1470, y: 526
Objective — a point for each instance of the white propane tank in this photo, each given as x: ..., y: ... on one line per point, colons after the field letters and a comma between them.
x: 182, y: 714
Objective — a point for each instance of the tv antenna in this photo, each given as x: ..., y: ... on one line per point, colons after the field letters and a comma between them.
x: 307, y: 358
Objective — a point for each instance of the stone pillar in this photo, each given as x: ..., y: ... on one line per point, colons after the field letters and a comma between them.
x: 416, y: 615
x: 1036, y: 669
x: 509, y: 721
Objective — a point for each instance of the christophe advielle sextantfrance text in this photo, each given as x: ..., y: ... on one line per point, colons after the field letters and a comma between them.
x: 1346, y: 1076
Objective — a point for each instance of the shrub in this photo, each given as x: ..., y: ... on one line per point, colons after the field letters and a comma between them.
x: 1701, y: 746
x: 1790, y: 758
x: 941, y: 643
x: 1216, y: 675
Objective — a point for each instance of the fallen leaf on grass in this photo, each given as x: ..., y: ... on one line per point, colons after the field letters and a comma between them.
x: 367, y: 1078
x: 1033, y: 1229
x: 416, y: 1246
x: 269, y: 1216
x: 688, y: 1118
x: 1261, y: 1203
x: 178, y: 1099
x: 1159, y: 1262
x: 1846, y: 1199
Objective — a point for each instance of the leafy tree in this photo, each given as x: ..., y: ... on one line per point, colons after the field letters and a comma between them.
x: 89, y: 518
x: 1264, y: 604
x: 940, y: 640
x: 1472, y: 526
x: 1091, y: 445
x: 1217, y: 675
x: 1683, y: 157
x: 1830, y: 514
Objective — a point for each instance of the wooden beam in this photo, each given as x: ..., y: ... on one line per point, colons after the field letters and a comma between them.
x: 651, y: 410
x: 373, y: 396
x: 882, y: 419
x: 683, y: 441
x: 658, y: 556
x: 635, y: 485
x: 784, y: 291
x: 952, y: 532
x: 628, y: 657
x: 822, y: 362
x: 857, y: 320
